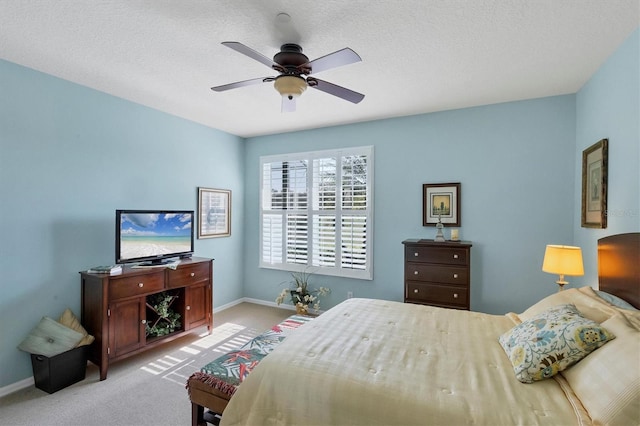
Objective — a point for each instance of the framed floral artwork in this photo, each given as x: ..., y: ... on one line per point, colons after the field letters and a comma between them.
x: 594, y: 185
x: 214, y: 213
x: 441, y: 201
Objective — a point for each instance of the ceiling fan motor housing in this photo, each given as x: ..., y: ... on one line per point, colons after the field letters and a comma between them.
x: 290, y: 57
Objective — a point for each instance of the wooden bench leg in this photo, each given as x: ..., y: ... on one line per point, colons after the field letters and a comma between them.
x: 197, y: 415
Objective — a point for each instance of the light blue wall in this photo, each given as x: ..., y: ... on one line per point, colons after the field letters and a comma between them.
x: 520, y: 168
x: 71, y: 156
x: 514, y: 162
x: 608, y: 106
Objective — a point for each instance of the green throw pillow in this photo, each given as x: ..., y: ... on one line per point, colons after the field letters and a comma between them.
x: 551, y: 341
x: 50, y: 338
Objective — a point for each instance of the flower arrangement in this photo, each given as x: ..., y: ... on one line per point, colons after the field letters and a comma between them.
x: 302, y: 296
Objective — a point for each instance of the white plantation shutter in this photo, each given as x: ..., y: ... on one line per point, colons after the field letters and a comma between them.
x: 354, y: 238
x: 297, y: 233
x: 272, y: 238
x: 317, y: 211
x: 324, y: 184
x: 354, y: 183
x: 324, y: 240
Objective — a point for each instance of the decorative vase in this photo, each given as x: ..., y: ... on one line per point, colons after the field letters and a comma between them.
x: 298, y: 300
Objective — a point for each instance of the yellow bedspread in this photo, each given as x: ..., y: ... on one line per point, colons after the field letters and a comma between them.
x: 374, y: 362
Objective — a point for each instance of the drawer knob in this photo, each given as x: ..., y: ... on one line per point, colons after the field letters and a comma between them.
x: 455, y: 256
x: 415, y: 290
x: 144, y: 321
x: 415, y: 272
x: 455, y: 295
x: 193, y: 274
x: 455, y: 275
x: 415, y: 254
x: 140, y: 285
x: 188, y: 308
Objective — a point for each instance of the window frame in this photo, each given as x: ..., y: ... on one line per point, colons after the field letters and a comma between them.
x: 337, y: 270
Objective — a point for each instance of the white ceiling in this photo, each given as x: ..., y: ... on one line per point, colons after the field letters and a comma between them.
x: 417, y: 56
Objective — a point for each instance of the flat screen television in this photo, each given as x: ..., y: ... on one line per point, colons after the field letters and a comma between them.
x: 153, y: 236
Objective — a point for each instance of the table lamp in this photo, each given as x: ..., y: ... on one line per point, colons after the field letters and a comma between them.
x: 563, y: 260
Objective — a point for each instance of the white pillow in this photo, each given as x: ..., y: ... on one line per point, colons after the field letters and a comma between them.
x: 589, y: 305
x: 608, y: 381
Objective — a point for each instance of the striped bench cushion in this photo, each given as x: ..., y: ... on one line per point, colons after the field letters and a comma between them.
x: 226, y: 372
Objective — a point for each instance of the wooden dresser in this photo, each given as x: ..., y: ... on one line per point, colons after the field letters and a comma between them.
x: 116, y: 309
x: 437, y: 273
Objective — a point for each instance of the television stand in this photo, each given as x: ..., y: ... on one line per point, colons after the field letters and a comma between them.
x: 116, y: 309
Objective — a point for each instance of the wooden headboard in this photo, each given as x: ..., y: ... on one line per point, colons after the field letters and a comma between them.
x: 619, y: 266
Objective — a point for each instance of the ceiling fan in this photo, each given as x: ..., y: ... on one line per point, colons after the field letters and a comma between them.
x: 295, y: 69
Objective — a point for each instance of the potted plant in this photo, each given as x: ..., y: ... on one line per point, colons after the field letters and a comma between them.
x: 303, y: 297
x: 167, y: 320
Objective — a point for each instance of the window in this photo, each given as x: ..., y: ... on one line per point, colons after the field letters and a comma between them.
x: 316, y: 212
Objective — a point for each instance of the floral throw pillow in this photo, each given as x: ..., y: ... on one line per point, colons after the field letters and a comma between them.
x: 551, y: 341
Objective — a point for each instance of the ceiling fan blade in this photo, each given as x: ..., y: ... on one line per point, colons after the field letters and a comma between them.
x: 253, y: 54
x: 339, y: 58
x: 288, y: 105
x: 335, y: 90
x: 241, y: 84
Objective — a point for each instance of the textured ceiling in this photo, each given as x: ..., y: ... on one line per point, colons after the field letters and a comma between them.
x: 417, y: 56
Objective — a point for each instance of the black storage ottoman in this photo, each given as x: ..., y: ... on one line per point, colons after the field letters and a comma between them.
x: 57, y: 372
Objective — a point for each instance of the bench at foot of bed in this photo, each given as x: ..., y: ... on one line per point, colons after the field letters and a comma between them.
x: 216, y: 382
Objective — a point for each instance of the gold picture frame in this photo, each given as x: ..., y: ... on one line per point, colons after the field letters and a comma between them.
x: 594, y: 185
x: 214, y: 213
x: 441, y: 201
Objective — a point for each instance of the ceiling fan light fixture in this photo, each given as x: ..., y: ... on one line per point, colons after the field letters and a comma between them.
x: 290, y: 86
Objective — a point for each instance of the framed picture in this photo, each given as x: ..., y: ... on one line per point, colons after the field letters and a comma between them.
x: 594, y: 185
x: 214, y: 213
x: 441, y: 201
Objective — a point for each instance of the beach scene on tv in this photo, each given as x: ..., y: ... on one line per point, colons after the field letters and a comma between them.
x: 154, y: 234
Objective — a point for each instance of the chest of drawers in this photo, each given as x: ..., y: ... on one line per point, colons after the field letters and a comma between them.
x: 437, y: 273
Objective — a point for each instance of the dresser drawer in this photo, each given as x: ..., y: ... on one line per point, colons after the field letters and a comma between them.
x: 187, y: 275
x: 437, y: 273
x: 120, y: 288
x: 447, y: 255
x: 435, y: 294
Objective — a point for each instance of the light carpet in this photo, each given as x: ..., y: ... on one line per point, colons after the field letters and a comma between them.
x: 146, y: 389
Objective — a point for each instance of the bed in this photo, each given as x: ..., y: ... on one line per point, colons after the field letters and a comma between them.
x: 379, y: 362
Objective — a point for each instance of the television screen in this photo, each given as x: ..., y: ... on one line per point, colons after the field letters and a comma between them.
x: 153, y: 235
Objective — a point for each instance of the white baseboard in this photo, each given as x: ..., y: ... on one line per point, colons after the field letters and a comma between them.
x: 14, y: 387
x: 255, y: 301
x: 267, y: 303
x: 272, y: 304
x: 227, y: 306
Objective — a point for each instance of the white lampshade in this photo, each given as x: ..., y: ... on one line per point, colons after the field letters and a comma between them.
x: 563, y: 260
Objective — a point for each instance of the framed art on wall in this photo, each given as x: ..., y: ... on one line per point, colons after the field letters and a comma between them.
x: 214, y: 213
x: 441, y: 201
x: 594, y: 185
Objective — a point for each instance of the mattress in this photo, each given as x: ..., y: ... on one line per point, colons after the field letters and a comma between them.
x: 378, y: 362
